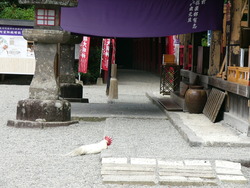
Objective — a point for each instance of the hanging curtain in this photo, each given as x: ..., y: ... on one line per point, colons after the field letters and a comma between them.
x: 142, y: 18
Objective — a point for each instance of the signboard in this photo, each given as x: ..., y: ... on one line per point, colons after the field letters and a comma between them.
x: 12, y: 43
x: 16, y: 54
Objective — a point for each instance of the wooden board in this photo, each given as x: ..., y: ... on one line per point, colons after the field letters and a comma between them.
x: 169, y: 104
x: 213, y: 104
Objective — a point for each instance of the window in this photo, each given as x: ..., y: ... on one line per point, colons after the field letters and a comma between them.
x: 45, y: 17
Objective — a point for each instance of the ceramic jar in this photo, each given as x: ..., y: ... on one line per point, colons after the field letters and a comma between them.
x: 195, y: 99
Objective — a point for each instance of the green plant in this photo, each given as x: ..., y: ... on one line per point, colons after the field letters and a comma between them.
x: 14, y: 12
x: 204, y: 40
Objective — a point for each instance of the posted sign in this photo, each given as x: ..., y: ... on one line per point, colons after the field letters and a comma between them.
x: 12, y: 43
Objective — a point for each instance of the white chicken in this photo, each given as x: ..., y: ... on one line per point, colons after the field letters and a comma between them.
x: 91, y: 148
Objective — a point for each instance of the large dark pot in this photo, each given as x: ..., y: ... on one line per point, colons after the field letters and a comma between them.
x: 195, y: 99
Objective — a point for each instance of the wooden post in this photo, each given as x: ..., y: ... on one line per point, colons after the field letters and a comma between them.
x: 237, y: 7
x: 214, y: 56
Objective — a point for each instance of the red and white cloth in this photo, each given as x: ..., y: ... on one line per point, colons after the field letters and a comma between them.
x: 105, y: 52
x: 84, y: 55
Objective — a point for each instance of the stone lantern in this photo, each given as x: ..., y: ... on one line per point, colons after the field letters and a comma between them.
x: 43, y: 107
x: 70, y: 90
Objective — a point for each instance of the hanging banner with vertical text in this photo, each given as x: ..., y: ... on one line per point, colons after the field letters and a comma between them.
x: 114, y: 50
x: 84, y: 55
x: 105, y: 53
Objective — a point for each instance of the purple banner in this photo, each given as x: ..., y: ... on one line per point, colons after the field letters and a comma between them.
x: 11, y: 30
x: 142, y: 18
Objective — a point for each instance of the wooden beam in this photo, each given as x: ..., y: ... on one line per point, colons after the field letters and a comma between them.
x: 214, y: 57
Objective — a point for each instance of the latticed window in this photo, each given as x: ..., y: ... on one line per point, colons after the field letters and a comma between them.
x: 46, y: 17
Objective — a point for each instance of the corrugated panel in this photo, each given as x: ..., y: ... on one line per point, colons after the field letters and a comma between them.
x: 213, y: 104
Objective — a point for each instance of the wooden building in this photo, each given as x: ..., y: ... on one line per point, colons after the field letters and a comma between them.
x: 223, y: 65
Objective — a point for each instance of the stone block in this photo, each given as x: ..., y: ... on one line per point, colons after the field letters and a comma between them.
x: 114, y: 160
x: 232, y: 179
x: 170, y: 163
x: 127, y: 179
x: 124, y: 172
x: 209, y: 175
x: 46, y: 110
x: 227, y: 164
x: 46, y: 36
x: 69, y: 90
x: 123, y: 167
x: 228, y: 171
x: 143, y: 161
x: 184, y: 181
x: 186, y: 168
x: 113, y: 89
x: 197, y: 163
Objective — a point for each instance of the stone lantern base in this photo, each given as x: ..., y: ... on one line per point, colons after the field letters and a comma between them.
x: 72, y: 92
x: 42, y: 113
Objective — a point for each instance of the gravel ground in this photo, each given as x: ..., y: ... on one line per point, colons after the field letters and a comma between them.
x: 33, y: 158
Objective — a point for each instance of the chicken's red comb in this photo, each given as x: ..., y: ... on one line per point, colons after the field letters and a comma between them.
x: 109, y: 139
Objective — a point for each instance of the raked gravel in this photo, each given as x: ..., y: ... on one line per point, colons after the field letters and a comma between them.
x: 33, y: 158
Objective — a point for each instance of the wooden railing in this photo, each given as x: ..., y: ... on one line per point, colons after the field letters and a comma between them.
x: 239, y: 75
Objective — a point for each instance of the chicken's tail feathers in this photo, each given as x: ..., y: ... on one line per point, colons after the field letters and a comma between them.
x: 74, y: 153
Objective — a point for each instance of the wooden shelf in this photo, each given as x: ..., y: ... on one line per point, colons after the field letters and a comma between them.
x: 219, y: 83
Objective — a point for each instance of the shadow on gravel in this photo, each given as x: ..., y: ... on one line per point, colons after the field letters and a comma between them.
x: 15, y: 79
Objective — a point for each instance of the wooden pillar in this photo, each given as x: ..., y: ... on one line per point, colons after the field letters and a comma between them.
x: 214, y: 57
x: 235, y: 31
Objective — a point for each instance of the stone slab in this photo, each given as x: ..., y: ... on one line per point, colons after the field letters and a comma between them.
x: 232, y: 179
x: 209, y: 175
x: 118, y: 172
x: 235, y: 122
x: 228, y: 171
x: 170, y: 163
x: 128, y: 167
x: 169, y: 172
x: 186, y: 168
x: 184, y: 181
x: 121, y: 179
x: 197, y: 163
x: 35, y: 124
x: 227, y: 164
x: 143, y: 161
x: 114, y: 160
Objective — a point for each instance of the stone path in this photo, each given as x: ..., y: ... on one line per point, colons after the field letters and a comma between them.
x: 150, y: 171
x: 198, y: 130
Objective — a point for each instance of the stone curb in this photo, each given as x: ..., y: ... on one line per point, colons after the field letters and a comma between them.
x: 35, y: 124
x: 185, y: 132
